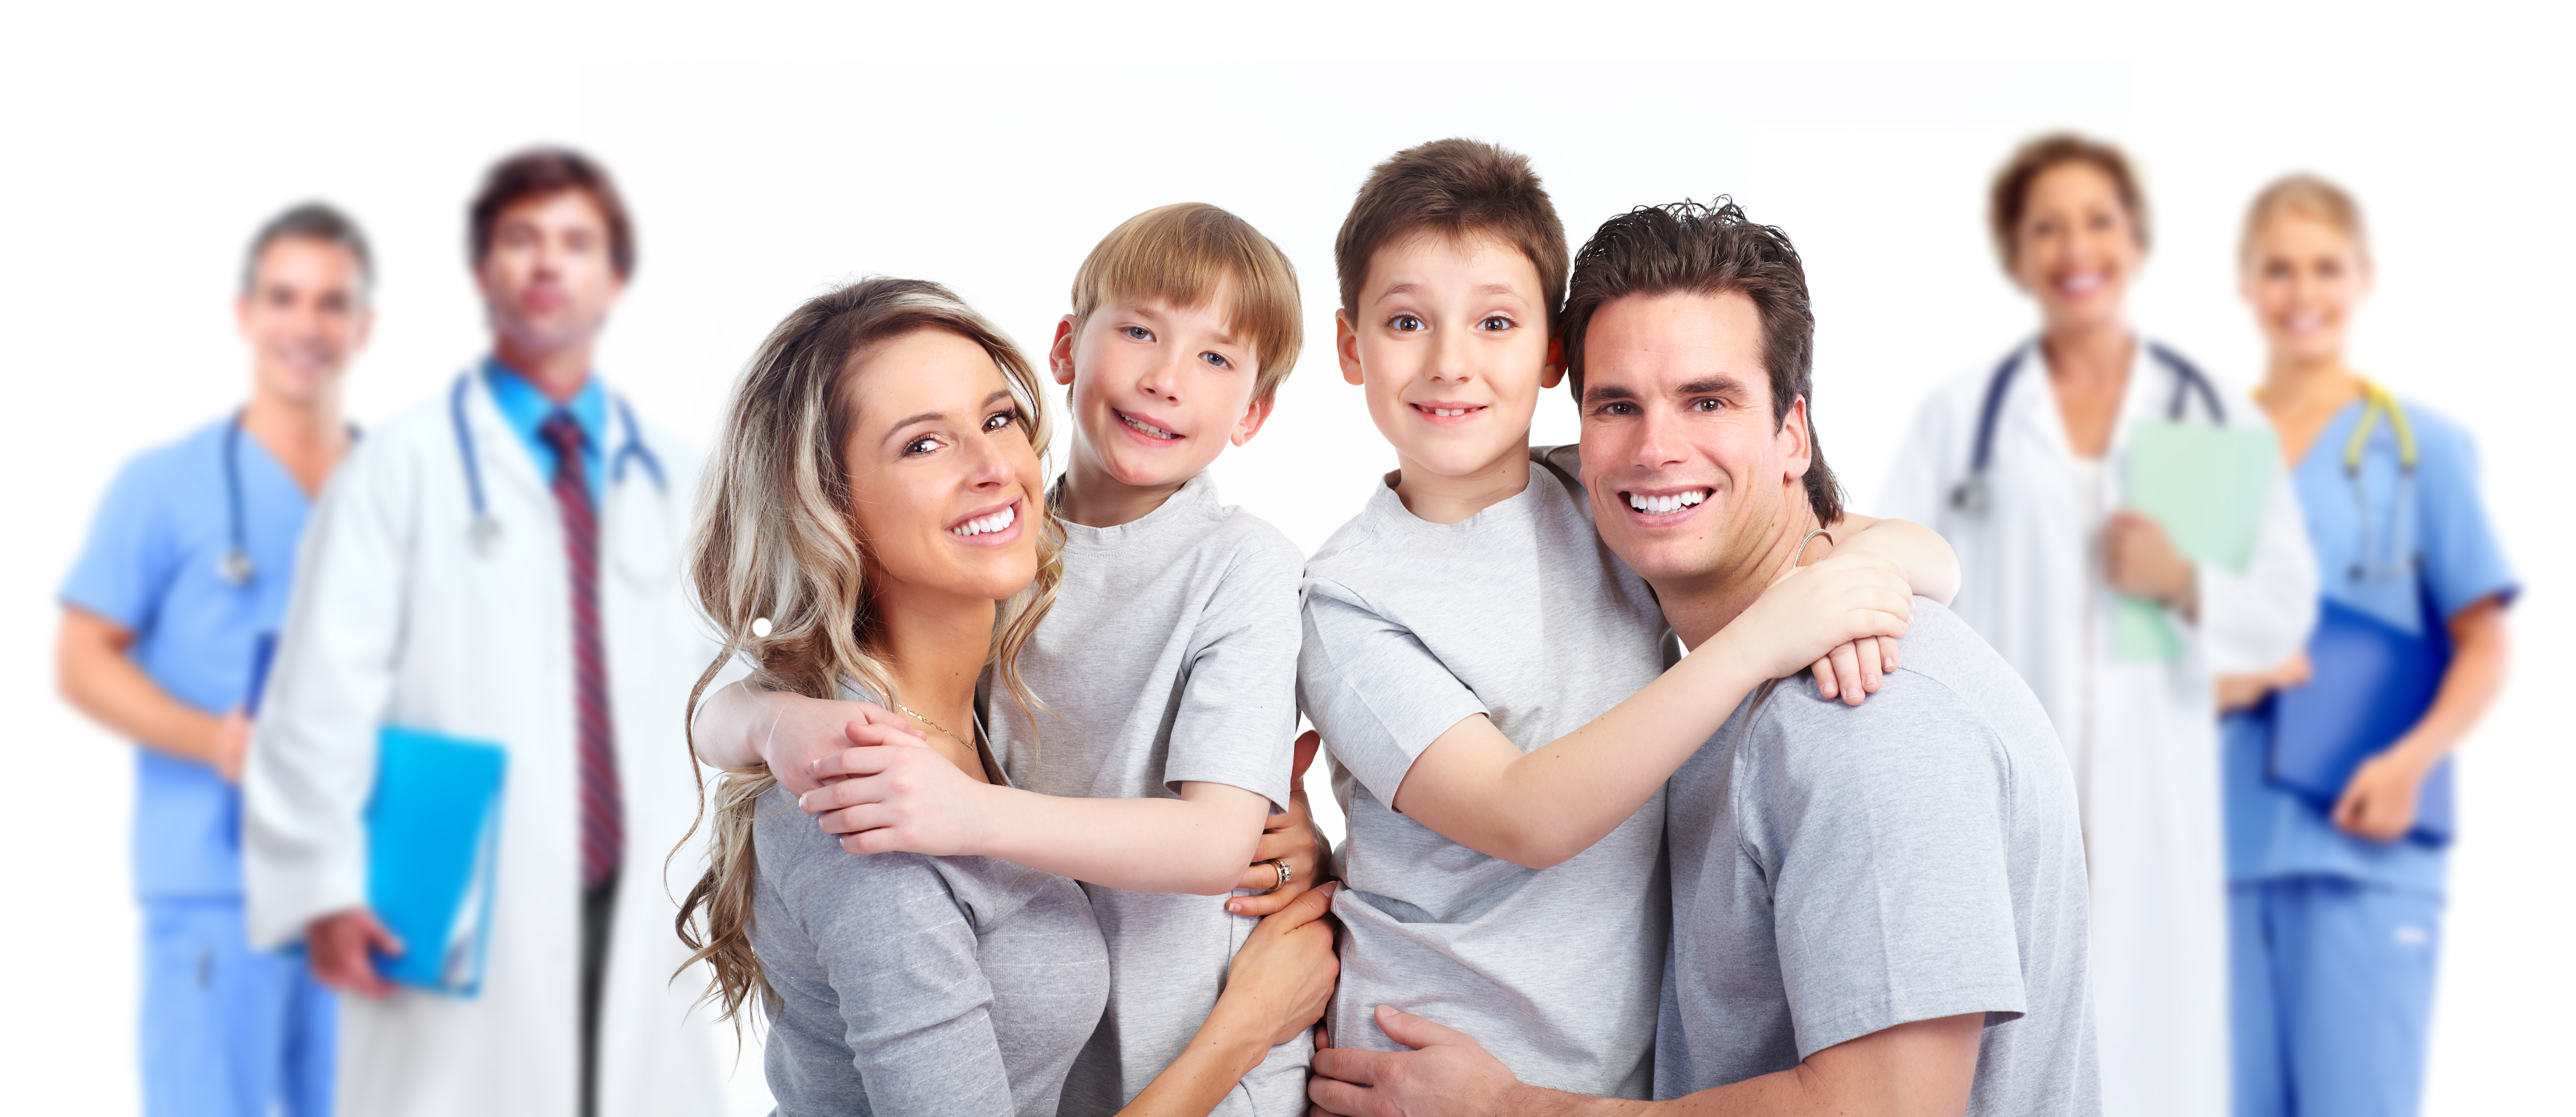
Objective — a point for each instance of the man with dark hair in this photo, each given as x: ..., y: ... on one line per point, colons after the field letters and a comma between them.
x: 460, y: 584
x: 185, y: 575
x: 1876, y: 908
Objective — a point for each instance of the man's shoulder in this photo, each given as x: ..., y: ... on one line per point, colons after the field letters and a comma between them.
x: 1951, y: 700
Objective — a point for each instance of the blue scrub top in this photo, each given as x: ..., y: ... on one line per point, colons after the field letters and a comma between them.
x: 526, y: 409
x: 151, y: 566
x: 2270, y: 833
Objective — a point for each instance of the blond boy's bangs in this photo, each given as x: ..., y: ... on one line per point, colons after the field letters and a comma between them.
x: 1186, y: 254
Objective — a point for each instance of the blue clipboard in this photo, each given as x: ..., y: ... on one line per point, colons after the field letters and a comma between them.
x: 433, y: 836
x: 2371, y: 682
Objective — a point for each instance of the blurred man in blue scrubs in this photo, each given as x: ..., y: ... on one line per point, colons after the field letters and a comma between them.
x: 185, y: 573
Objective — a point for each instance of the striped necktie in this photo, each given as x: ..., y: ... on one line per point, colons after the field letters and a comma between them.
x: 603, y: 831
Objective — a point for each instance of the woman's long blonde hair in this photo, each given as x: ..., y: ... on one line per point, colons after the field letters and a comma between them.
x: 774, y: 538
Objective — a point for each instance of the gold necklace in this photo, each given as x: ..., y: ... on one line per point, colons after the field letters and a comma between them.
x: 970, y: 745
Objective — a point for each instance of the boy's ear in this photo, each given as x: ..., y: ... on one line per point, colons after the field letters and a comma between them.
x: 1346, y: 346
x: 1060, y: 354
x: 1555, y: 370
x: 1253, y: 417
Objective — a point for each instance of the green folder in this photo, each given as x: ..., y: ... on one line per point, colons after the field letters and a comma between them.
x: 2205, y: 484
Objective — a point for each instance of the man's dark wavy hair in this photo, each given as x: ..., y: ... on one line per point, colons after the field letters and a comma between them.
x: 1689, y: 248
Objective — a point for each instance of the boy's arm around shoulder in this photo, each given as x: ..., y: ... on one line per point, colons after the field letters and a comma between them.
x: 1930, y: 566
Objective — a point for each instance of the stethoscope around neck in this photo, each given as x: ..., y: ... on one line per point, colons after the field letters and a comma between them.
x: 1975, y: 496
x: 2367, y: 566
x: 484, y: 531
x: 235, y: 566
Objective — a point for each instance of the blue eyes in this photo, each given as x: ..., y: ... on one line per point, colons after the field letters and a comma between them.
x: 1140, y: 333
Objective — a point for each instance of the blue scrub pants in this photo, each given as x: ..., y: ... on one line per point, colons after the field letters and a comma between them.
x: 229, y: 1031
x: 2333, y: 996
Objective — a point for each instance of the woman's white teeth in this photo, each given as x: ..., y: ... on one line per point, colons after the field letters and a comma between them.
x: 1663, y: 505
x: 1149, y: 429
x: 984, y: 525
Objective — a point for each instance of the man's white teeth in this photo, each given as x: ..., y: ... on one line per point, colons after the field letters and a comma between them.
x: 1665, y: 505
x: 1448, y: 412
x: 985, y: 525
x: 1149, y: 429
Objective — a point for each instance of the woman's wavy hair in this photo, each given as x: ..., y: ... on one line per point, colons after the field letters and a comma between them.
x: 774, y: 538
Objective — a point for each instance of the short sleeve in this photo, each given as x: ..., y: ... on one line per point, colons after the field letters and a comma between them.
x: 1882, y: 830
x: 127, y: 562
x: 897, y: 951
x: 1375, y: 693
x: 2463, y: 562
x: 1237, y: 718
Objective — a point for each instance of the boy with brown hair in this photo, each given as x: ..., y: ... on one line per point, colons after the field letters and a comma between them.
x: 1491, y: 680
x: 1165, y: 669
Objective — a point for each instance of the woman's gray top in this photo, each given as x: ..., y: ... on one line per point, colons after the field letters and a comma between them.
x: 914, y: 985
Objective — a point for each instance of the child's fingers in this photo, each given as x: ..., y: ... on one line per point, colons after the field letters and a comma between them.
x: 1847, y: 678
x: 1873, y: 668
x: 875, y: 756
x: 1824, y: 670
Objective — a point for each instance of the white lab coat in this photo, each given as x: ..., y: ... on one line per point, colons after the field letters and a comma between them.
x: 2143, y: 736
x: 396, y: 618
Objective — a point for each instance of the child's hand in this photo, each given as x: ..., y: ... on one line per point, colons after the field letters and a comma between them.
x: 1814, y: 612
x: 1289, y: 839
x: 896, y: 795
x: 804, y: 730
x: 1856, y: 668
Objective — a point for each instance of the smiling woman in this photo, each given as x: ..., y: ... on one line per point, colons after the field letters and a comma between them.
x: 875, y: 499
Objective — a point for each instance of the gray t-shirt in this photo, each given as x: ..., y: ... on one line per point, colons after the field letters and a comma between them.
x: 1519, y: 613
x: 1170, y: 656
x: 1837, y: 871
x: 917, y: 985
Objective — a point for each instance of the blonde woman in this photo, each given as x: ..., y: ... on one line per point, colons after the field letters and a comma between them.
x: 2336, y: 886
x: 873, y: 527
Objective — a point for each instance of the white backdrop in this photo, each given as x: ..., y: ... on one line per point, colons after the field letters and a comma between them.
x: 772, y: 153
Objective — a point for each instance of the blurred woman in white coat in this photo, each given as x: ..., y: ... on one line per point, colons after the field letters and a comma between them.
x: 2020, y: 463
x: 502, y: 564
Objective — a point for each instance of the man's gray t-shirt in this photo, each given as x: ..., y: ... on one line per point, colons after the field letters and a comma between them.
x: 1519, y: 613
x: 1837, y: 871
x: 1170, y: 656
x: 917, y: 985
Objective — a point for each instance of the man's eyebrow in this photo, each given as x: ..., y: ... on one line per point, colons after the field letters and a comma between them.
x: 1598, y: 392
x: 1712, y: 386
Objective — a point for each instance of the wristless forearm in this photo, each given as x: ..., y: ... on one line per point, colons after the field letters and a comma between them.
x: 1139, y: 845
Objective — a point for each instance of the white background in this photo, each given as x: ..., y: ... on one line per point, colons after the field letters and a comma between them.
x: 771, y: 152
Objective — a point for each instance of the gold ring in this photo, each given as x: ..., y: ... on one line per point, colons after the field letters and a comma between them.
x: 1286, y: 874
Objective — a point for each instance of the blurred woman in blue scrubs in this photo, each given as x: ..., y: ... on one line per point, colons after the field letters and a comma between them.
x: 186, y: 570
x: 2335, y: 913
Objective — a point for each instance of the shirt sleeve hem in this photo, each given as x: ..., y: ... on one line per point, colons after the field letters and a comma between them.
x: 1861, y: 1020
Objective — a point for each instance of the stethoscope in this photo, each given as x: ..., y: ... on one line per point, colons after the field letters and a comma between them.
x: 1975, y: 496
x: 2375, y: 402
x: 235, y: 566
x: 485, y: 529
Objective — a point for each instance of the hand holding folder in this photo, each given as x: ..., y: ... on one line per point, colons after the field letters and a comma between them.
x: 433, y: 836
x: 2205, y: 485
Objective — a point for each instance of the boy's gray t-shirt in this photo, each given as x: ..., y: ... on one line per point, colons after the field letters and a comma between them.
x: 1522, y: 614
x: 1837, y: 871
x: 1170, y: 656
x: 917, y: 985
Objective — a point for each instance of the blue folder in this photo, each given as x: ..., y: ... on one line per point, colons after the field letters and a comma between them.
x: 2371, y: 683
x: 433, y: 831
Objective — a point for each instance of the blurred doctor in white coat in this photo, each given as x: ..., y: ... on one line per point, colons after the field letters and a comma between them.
x: 503, y: 563
x: 2019, y: 464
